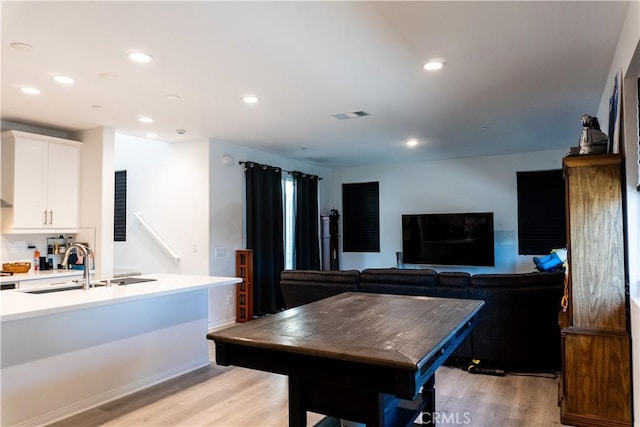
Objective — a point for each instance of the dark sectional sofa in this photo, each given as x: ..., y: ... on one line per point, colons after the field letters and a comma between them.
x: 517, y: 328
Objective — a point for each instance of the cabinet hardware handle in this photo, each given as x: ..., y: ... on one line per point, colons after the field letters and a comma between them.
x: 45, y: 217
x: 51, y: 217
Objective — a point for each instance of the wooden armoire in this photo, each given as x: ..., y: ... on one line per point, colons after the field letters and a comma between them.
x: 595, y: 387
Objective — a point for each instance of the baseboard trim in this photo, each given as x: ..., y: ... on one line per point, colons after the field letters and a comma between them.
x: 221, y: 324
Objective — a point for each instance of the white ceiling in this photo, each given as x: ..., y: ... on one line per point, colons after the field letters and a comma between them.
x: 524, y: 70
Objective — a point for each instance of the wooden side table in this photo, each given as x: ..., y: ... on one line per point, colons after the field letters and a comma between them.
x: 244, y: 289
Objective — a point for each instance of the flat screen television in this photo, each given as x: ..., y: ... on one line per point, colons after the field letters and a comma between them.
x: 448, y: 239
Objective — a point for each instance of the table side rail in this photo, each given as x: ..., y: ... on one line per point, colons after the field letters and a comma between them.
x: 390, y: 380
x: 429, y: 365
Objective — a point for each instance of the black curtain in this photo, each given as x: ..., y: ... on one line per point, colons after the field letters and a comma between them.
x: 306, y: 250
x: 264, y: 235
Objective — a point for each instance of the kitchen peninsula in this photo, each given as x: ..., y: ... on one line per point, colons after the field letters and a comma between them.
x: 65, y: 352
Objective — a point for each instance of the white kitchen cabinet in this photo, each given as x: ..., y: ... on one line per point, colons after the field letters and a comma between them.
x: 40, y: 179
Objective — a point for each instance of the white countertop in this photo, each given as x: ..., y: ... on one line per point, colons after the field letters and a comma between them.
x: 15, y: 304
x: 40, y: 274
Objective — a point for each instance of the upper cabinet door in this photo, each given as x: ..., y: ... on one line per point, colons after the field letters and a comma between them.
x: 40, y: 179
x: 63, y: 178
x: 30, y: 185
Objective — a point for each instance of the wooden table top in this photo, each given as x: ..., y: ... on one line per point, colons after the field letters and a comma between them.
x: 387, y: 330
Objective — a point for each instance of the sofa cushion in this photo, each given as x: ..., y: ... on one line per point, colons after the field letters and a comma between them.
x: 518, y: 326
x: 304, y: 286
x: 453, y: 285
x: 399, y: 281
x: 519, y: 280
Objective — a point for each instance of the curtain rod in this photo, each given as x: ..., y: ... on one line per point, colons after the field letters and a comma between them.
x: 242, y: 162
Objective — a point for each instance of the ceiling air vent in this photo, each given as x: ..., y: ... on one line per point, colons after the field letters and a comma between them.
x: 351, y: 115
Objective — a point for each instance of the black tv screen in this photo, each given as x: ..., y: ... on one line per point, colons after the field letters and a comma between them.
x: 448, y: 239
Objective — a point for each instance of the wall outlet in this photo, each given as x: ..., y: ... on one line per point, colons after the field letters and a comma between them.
x: 221, y: 252
x: 229, y: 300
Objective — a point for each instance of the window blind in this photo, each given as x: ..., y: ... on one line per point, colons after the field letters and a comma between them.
x: 120, y: 207
x: 541, y: 212
x: 361, y: 217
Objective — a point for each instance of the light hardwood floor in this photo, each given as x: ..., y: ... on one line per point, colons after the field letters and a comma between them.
x: 237, y: 397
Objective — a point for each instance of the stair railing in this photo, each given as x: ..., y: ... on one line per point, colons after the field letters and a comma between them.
x: 156, y: 237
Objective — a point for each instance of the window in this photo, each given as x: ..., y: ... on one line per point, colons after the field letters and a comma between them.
x: 361, y: 217
x: 541, y: 212
x: 120, y: 207
x: 288, y: 190
x: 300, y: 201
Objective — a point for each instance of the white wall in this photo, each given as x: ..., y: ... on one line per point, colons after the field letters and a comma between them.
x: 96, y: 196
x: 226, y: 209
x: 627, y: 60
x: 168, y: 185
x: 478, y: 184
x: 193, y: 201
x: 227, y: 197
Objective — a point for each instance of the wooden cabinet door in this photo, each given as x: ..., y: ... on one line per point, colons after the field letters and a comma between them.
x: 595, y: 378
x: 596, y: 246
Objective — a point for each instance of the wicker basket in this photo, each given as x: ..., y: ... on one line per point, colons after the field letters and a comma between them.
x: 16, y: 267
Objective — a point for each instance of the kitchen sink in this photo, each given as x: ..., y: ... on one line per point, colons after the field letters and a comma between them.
x: 48, y: 291
x: 121, y: 281
x: 61, y: 289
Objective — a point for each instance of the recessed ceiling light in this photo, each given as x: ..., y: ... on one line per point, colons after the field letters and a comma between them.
x: 30, y: 90
x: 65, y: 80
x: 250, y: 99
x: 22, y: 47
x: 151, y: 135
x: 412, y: 142
x: 434, y: 64
x: 145, y: 119
x: 140, y: 57
x: 172, y: 97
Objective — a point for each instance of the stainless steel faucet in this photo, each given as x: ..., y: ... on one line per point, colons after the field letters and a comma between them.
x: 86, y: 255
